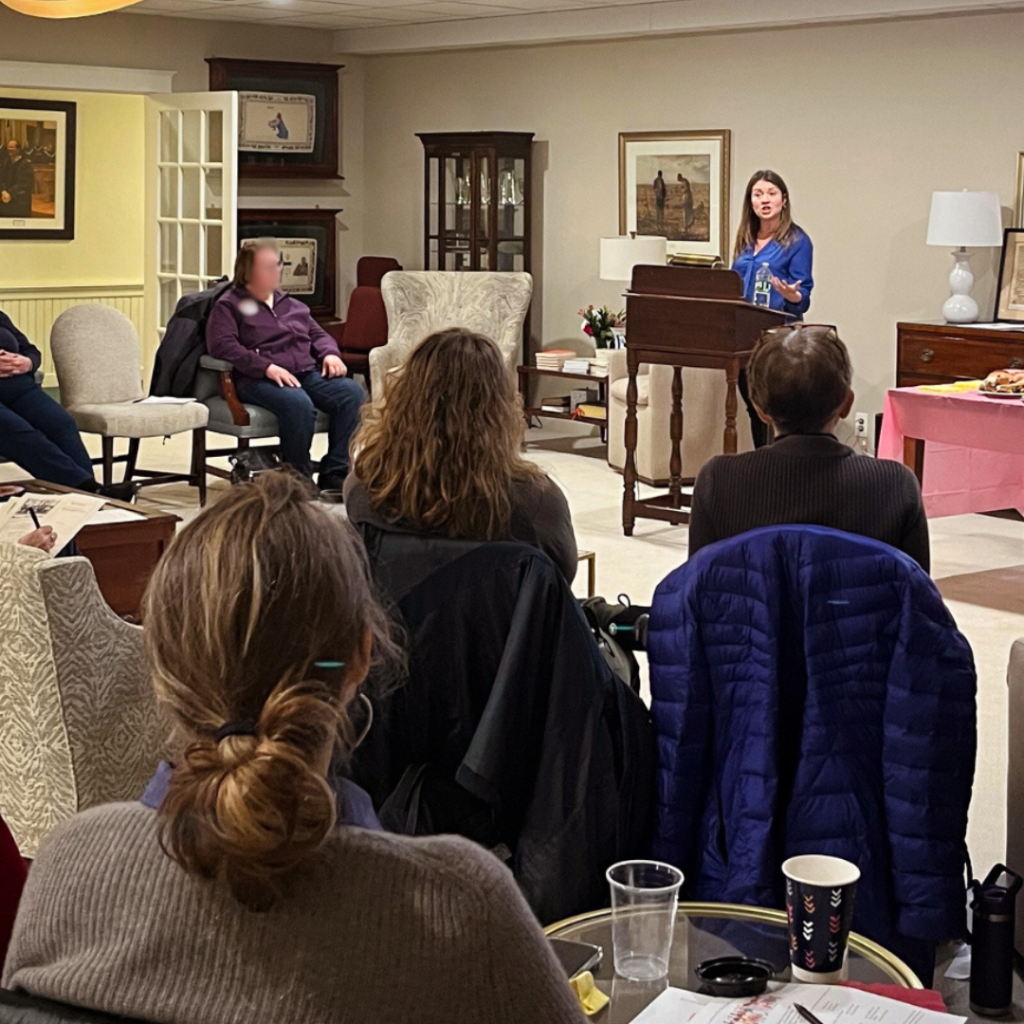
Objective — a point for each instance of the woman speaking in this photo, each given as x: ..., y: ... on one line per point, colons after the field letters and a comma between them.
x: 767, y: 237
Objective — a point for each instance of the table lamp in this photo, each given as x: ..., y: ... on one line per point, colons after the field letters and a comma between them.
x: 619, y: 255
x: 960, y: 219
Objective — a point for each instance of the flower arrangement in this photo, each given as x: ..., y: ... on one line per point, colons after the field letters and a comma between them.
x: 601, y: 323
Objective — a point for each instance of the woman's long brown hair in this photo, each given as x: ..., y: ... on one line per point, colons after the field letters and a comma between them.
x: 750, y: 223
x: 248, y: 596
x: 441, y: 449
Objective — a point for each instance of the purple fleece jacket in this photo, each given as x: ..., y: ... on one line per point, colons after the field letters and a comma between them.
x: 251, y: 336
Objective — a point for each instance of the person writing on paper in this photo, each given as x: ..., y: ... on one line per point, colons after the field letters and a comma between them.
x: 285, y: 361
x: 767, y: 237
x: 36, y: 433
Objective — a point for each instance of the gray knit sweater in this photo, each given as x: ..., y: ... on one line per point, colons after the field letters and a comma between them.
x: 378, y: 928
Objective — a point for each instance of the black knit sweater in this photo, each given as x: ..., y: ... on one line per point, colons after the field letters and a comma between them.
x: 813, y: 479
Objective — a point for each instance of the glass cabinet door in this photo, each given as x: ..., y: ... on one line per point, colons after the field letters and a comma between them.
x: 511, y: 213
x: 485, y: 209
x: 458, y: 211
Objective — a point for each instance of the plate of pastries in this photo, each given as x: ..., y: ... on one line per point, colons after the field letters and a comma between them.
x: 1003, y: 384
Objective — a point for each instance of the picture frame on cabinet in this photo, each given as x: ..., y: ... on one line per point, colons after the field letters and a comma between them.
x: 1010, y: 288
x: 287, y: 116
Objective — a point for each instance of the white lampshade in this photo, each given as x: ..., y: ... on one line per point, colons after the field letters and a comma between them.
x: 965, y: 218
x: 621, y: 254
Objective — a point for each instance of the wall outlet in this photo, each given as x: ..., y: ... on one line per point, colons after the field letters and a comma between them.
x: 860, y: 424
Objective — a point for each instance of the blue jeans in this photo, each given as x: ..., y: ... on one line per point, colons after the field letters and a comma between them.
x: 37, y: 434
x: 295, y: 408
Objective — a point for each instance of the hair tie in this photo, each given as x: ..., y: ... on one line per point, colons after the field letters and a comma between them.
x: 236, y: 727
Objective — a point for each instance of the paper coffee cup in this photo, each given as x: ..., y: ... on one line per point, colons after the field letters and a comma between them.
x: 820, y: 892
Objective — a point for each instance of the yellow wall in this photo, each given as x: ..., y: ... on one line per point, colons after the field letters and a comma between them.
x: 109, y: 202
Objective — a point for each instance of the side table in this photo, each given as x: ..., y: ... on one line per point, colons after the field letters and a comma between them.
x: 526, y: 372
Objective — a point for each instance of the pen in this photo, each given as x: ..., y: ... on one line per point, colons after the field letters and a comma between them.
x: 35, y: 518
x: 806, y: 1014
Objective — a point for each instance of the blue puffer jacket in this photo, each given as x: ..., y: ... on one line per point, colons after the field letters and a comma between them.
x: 812, y: 694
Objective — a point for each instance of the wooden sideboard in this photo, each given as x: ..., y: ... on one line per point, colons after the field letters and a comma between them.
x: 934, y: 352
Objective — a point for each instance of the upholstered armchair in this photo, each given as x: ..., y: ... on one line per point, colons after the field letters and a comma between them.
x: 79, y: 721
x: 366, y: 323
x: 703, y: 418
x: 420, y: 302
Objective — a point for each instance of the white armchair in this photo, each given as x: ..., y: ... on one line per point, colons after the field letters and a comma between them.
x: 420, y: 302
x: 703, y: 418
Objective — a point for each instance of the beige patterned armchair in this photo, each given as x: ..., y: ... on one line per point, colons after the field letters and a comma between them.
x: 423, y: 301
x: 79, y: 725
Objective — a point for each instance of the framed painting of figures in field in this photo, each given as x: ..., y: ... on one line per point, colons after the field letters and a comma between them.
x: 676, y: 184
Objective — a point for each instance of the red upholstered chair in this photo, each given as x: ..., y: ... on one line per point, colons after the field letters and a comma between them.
x: 366, y: 324
x: 13, y: 872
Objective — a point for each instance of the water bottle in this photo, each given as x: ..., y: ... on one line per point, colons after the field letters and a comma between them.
x: 993, y: 905
x: 763, y: 286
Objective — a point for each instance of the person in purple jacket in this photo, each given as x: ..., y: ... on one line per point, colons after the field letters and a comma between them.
x: 285, y: 361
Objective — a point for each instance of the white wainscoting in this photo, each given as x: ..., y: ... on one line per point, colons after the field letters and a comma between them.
x: 33, y: 311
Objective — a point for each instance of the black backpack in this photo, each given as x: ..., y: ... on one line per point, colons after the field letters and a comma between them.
x: 177, y: 358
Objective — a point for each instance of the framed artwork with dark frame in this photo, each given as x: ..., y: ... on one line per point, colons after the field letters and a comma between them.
x: 1010, y: 290
x: 308, y: 242
x: 676, y: 184
x: 37, y: 169
x: 287, y: 116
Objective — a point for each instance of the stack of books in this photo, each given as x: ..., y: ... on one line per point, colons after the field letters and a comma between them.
x: 598, y: 369
x: 553, y: 358
x: 555, y: 403
x: 578, y: 364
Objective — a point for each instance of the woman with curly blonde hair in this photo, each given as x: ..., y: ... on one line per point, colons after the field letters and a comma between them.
x: 440, y: 453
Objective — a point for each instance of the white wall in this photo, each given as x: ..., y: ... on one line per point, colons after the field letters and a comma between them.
x: 864, y: 121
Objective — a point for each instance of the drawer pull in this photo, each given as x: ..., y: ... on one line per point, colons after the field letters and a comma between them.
x: 927, y: 355
x: 1016, y: 363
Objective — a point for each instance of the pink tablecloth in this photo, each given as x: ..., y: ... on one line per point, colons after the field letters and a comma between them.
x: 974, y: 455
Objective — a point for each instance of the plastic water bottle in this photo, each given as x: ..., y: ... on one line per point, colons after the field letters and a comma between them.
x: 763, y: 286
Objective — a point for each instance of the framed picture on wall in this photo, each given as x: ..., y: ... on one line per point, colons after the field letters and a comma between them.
x: 676, y: 184
x: 1018, y: 205
x: 307, y: 240
x: 287, y: 116
x: 37, y: 169
x: 1010, y: 293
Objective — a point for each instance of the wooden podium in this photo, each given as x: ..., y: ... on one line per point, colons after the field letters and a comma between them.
x: 684, y: 316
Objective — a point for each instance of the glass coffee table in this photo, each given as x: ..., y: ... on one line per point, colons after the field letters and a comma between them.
x: 706, y: 930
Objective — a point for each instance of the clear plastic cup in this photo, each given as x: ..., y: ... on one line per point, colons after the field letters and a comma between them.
x: 645, y: 895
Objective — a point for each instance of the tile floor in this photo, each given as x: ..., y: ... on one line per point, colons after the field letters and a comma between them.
x: 978, y: 563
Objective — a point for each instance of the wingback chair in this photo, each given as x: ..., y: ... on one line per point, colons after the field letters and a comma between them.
x: 420, y: 302
x: 703, y: 418
x: 79, y: 721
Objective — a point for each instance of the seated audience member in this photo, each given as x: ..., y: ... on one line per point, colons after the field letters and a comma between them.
x: 243, y: 897
x: 800, y: 385
x: 35, y: 431
x: 285, y: 361
x: 439, y: 453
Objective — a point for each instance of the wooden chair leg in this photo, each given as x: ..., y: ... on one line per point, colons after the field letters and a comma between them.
x: 133, y: 458
x: 199, y: 463
x: 108, y: 461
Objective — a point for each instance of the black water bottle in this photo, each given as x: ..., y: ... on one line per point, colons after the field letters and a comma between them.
x: 993, y: 904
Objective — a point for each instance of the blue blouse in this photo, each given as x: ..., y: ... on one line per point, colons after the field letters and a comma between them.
x: 789, y: 263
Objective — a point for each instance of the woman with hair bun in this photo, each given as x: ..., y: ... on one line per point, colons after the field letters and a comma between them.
x: 243, y: 897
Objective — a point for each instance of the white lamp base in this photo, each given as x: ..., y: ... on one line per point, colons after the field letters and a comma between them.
x: 960, y: 308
